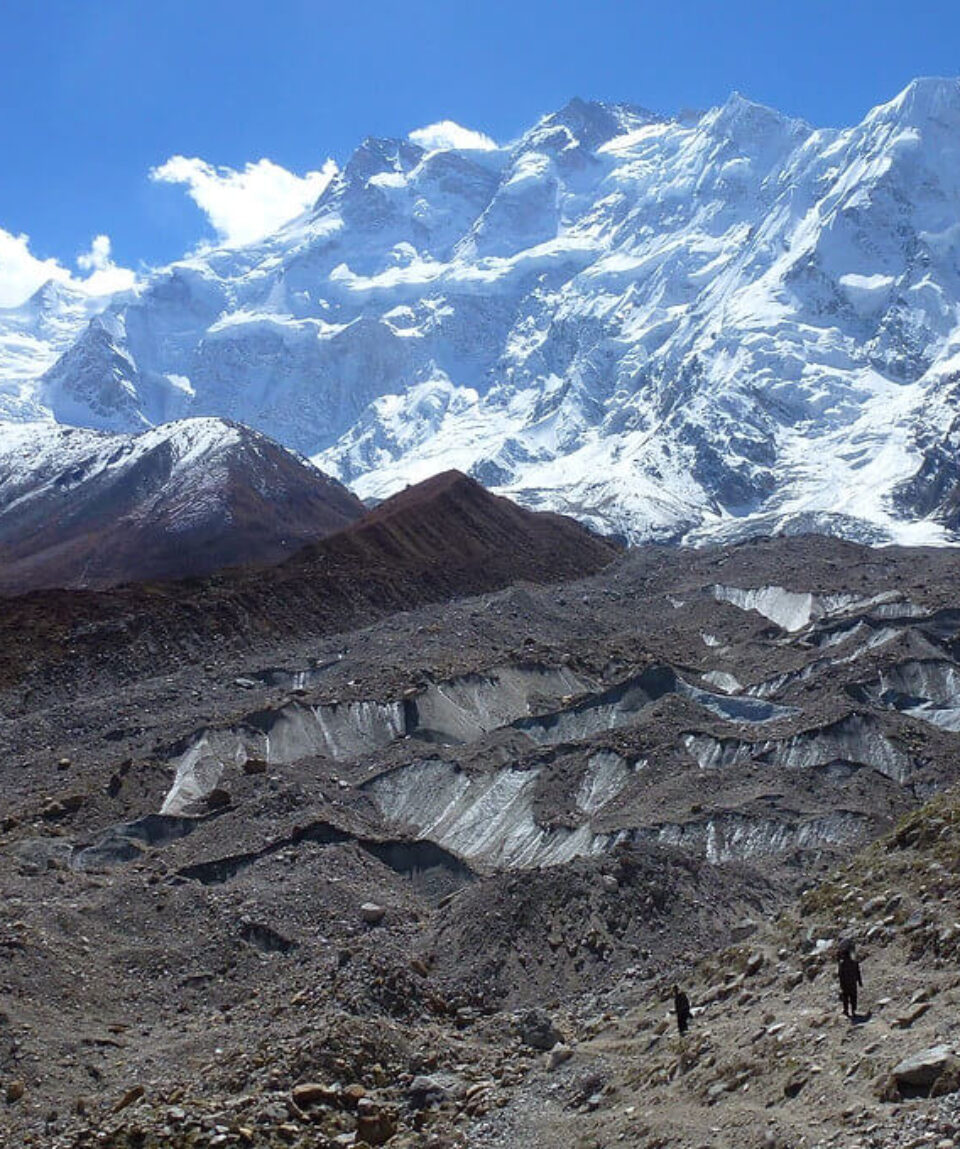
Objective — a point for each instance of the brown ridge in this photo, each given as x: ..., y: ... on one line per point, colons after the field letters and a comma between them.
x: 441, y: 539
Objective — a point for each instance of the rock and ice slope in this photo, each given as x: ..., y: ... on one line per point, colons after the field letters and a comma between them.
x: 89, y: 508
x: 646, y: 322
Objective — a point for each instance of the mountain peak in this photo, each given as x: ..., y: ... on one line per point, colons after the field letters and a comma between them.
x: 924, y: 98
x: 740, y: 117
x: 381, y: 154
x: 587, y: 123
x: 53, y: 294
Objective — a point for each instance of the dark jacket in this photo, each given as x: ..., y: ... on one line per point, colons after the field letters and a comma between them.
x: 849, y: 973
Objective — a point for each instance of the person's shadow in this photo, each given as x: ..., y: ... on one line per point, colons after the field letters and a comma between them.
x: 860, y: 1018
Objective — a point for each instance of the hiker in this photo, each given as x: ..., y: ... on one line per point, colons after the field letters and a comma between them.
x: 848, y: 974
x: 681, y: 1005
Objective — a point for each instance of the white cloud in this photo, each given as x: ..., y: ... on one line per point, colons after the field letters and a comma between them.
x: 98, y: 257
x: 21, y: 272
x: 246, y: 205
x: 446, y: 134
x: 105, y: 277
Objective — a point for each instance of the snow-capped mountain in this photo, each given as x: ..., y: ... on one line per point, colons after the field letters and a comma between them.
x: 670, y: 327
x: 81, y: 508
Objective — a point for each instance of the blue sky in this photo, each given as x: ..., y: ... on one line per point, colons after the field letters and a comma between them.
x: 96, y: 93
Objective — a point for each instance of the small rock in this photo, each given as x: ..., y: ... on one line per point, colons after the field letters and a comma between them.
x: 132, y: 1095
x: 15, y: 1091
x: 794, y: 1085
x: 372, y: 913
x: 352, y: 1094
x: 754, y: 963
x: 376, y: 1128
x: 312, y: 1093
x: 425, y: 1091
x: 744, y: 929
x: 904, y: 1021
x: 558, y: 1055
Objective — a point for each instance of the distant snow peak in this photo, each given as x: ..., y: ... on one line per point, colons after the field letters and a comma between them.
x: 445, y: 135
x: 689, y: 329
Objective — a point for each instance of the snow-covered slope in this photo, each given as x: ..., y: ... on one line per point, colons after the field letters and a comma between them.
x: 32, y: 338
x: 672, y: 328
x: 84, y: 508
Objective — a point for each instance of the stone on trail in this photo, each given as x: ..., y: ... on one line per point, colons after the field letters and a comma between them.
x: 372, y: 913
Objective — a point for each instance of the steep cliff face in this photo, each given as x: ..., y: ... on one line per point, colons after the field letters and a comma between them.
x: 673, y: 328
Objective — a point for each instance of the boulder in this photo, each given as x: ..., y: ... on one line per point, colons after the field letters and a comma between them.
x: 313, y: 1093
x: 425, y: 1091
x: 920, y: 1070
x: 537, y: 1030
x: 372, y: 913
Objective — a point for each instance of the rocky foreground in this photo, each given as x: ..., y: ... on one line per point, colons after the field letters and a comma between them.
x: 769, y: 1059
x: 428, y: 880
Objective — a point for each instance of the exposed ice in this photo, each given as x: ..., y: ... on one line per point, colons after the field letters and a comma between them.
x: 853, y: 739
x: 485, y: 818
x: 791, y: 610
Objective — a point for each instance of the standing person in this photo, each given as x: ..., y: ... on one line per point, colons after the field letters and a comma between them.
x: 681, y: 1006
x: 849, y: 976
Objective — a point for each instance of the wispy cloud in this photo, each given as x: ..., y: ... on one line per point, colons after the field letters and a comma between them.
x: 446, y: 134
x: 244, y: 206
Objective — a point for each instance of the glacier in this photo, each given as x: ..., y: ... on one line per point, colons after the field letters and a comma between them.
x: 688, y: 328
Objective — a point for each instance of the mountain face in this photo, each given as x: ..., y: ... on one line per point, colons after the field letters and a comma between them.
x: 85, y: 508
x: 691, y: 328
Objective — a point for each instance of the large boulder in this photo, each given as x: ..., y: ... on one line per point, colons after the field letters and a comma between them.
x: 919, y: 1071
